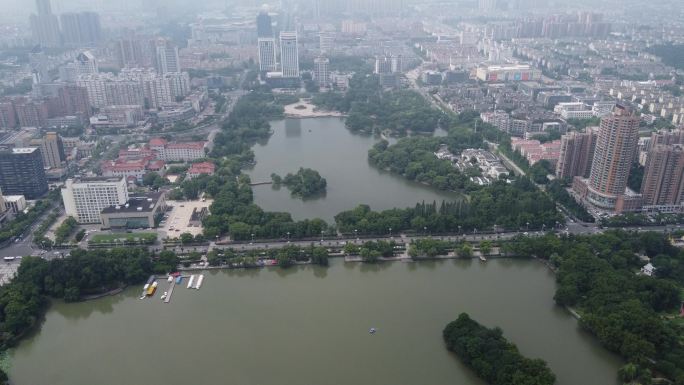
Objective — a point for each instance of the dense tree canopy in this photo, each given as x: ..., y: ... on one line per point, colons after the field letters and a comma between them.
x: 371, y: 109
x: 596, y: 275
x: 306, y: 183
x: 492, y: 357
x: 247, y: 123
x: 509, y: 206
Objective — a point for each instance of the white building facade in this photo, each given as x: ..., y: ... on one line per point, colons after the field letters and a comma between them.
x: 85, y: 198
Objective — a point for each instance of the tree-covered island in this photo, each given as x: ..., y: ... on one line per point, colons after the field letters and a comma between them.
x: 306, y: 183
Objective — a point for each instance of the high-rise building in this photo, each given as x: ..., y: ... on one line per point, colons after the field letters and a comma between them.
x: 326, y: 42
x: 8, y: 118
x: 289, y: 54
x: 84, y: 198
x: 106, y: 89
x: 81, y: 29
x: 52, y: 150
x: 267, y: 54
x: 166, y: 58
x: 31, y: 113
x: 264, y: 25
x: 73, y: 100
x: 84, y: 64
x: 663, y: 183
x: 44, y: 25
x: 616, y: 144
x: 576, y: 154
x: 129, y: 53
x: 667, y: 137
x: 22, y: 172
x: 322, y: 71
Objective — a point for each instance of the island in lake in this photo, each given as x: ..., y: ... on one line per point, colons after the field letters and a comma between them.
x: 306, y: 183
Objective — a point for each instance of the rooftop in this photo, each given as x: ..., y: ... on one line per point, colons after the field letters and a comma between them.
x: 144, y: 203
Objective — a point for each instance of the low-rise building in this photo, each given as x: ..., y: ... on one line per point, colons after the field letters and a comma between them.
x: 137, y: 213
x: 202, y: 168
x: 15, y: 203
x: 178, y: 152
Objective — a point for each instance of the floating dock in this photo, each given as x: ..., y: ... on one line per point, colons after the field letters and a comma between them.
x: 191, y: 281
x: 199, y: 281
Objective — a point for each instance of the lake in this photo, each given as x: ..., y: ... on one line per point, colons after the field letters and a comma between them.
x: 341, y: 157
x: 309, y: 325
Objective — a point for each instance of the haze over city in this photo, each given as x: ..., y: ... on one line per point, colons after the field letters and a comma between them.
x: 341, y: 192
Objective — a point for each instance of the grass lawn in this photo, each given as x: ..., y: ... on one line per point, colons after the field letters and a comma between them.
x: 127, y: 237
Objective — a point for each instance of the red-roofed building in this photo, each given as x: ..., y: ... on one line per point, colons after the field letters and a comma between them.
x: 132, y: 168
x: 203, y: 168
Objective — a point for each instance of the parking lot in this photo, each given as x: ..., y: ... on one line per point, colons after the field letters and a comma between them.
x: 178, y: 218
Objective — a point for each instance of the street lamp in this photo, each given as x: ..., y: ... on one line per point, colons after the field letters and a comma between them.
x: 528, y: 226
x: 288, y: 237
x: 390, y: 232
x: 252, y: 239
x: 543, y: 227
x: 424, y: 230
x: 322, y: 232
x: 356, y: 234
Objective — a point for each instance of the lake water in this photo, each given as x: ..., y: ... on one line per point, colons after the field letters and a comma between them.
x: 309, y: 325
x: 325, y: 145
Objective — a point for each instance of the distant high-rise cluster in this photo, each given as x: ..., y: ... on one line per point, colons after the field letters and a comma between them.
x: 268, y: 51
x: 77, y: 29
x: 44, y: 25
x: 81, y: 29
x: 582, y: 24
x: 365, y: 7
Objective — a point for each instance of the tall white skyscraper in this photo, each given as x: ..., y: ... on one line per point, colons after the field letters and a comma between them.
x: 289, y: 54
x: 267, y: 54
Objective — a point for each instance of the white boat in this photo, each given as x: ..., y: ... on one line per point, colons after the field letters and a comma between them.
x: 170, y: 279
x: 199, y: 281
x: 163, y: 297
x: 191, y: 281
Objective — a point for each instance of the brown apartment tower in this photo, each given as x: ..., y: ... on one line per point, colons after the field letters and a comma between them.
x: 616, y: 144
x: 663, y: 184
x: 576, y: 154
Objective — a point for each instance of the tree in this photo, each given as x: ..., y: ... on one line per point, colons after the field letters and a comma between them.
x: 485, y: 247
x: 628, y: 372
x: 186, y: 238
x: 465, y: 251
x: 319, y: 256
x: 350, y: 249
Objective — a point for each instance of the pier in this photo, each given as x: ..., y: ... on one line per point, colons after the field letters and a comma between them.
x: 170, y: 291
